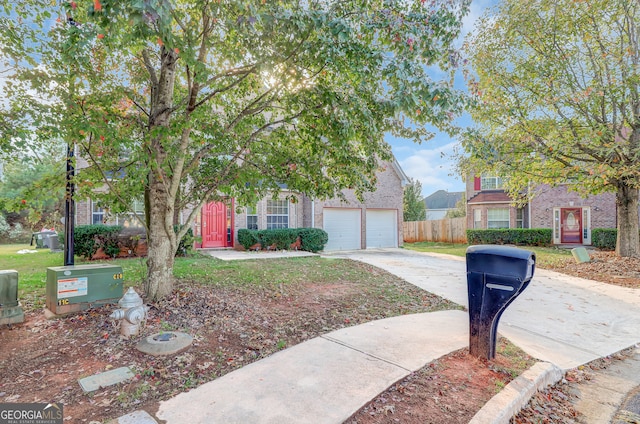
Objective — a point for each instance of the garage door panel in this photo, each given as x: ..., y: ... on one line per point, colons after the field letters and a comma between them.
x: 343, y: 227
x: 382, y: 228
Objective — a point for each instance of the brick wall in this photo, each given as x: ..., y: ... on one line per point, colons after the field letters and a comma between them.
x: 546, y: 198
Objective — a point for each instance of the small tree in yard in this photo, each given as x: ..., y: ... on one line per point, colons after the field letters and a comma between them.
x: 185, y: 102
x: 414, y: 206
x: 459, y: 211
x: 559, y: 100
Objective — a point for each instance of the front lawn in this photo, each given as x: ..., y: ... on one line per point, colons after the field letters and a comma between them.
x: 546, y: 257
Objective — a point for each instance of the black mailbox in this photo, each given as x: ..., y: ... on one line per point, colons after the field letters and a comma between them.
x: 496, y: 275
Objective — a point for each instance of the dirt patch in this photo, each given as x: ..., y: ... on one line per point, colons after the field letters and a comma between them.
x: 450, y: 390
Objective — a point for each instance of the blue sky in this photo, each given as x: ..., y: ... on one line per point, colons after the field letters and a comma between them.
x: 432, y: 163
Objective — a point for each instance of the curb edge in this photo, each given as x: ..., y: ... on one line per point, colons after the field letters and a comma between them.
x: 510, y: 400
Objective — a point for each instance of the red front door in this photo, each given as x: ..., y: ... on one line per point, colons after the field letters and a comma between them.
x: 216, y: 225
x: 571, y: 225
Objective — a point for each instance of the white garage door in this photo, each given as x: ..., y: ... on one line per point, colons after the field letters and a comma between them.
x: 343, y: 227
x: 382, y: 228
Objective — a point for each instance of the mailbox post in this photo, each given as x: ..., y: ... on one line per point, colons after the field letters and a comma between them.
x: 496, y: 275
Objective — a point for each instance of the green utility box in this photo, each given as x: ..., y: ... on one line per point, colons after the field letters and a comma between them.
x: 10, y: 309
x: 76, y: 288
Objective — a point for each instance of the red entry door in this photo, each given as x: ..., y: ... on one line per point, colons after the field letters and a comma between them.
x: 571, y: 225
x: 216, y: 226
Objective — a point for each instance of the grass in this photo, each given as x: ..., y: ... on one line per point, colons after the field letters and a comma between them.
x: 545, y: 256
x: 283, y: 276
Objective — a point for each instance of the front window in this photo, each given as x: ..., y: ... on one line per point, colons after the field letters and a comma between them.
x: 97, y: 214
x: 520, y: 218
x: 498, y: 218
x: 277, y: 214
x: 128, y: 219
x: 252, y: 218
x: 490, y: 183
x: 477, y: 219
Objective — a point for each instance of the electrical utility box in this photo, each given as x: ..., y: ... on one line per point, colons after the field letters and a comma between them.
x: 10, y: 309
x: 76, y: 288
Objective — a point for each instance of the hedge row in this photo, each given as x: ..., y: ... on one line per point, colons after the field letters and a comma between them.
x: 517, y: 236
x: 87, y: 239
x: 311, y: 239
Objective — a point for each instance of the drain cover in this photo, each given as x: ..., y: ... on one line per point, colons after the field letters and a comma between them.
x: 166, y: 343
x: 164, y: 337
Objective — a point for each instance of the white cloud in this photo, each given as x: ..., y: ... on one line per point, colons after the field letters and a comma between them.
x: 433, y: 167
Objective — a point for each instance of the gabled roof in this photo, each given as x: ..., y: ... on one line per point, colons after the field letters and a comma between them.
x: 404, y: 179
x: 442, y: 199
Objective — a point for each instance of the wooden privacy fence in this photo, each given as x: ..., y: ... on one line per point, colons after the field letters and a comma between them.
x: 452, y: 230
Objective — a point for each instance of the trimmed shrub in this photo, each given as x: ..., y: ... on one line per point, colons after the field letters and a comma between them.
x: 604, y: 238
x: 280, y: 237
x: 88, y: 238
x: 517, y: 236
x: 248, y: 238
x: 109, y: 242
x: 313, y: 239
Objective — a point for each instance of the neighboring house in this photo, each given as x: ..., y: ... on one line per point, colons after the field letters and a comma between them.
x: 570, y: 216
x: 351, y: 224
x: 440, y: 202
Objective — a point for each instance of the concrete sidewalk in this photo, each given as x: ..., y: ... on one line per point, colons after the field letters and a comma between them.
x: 323, y: 380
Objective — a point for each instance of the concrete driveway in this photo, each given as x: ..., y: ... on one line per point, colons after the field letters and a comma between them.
x: 565, y: 320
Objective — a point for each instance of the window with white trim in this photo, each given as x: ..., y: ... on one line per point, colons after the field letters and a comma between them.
x: 277, y: 213
x: 128, y: 219
x: 97, y: 213
x: 252, y: 217
x: 520, y: 218
x: 477, y: 219
x: 490, y: 183
x: 498, y: 218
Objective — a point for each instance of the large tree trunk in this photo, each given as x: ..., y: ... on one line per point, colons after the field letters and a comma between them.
x: 161, y: 238
x: 161, y: 242
x: 628, y: 241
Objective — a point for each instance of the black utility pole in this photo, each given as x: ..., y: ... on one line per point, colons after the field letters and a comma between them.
x: 69, y: 208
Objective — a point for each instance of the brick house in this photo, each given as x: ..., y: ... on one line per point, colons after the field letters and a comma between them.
x: 570, y: 216
x: 351, y: 224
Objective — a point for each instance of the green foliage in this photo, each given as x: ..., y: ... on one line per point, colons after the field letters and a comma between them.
x: 517, y: 236
x: 604, y: 238
x: 34, y: 188
x: 460, y: 210
x: 87, y: 239
x: 311, y: 239
x: 281, y: 238
x: 186, y: 242
x: 556, y: 94
x: 413, y: 202
x: 248, y: 238
x: 257, y: 94
x: 109, y: 240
